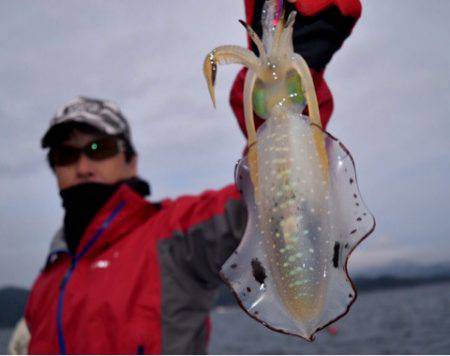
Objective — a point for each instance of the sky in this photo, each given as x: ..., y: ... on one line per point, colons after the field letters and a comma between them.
x: 390, y: 83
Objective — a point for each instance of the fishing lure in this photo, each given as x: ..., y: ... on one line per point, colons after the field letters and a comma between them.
x: 305, y: 212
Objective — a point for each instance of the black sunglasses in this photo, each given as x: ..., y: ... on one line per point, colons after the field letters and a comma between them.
x: 95, y: 150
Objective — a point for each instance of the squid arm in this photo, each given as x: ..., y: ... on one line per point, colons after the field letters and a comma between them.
x: 239, y: 55
x: 250, y: 126
x: 256, y: 40
x: 226, y: 55
x: 286, y: 36
x: 302, y: 68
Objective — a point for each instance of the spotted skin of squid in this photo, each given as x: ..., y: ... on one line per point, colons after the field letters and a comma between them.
x: 289, y: 271
x: 287, y: 208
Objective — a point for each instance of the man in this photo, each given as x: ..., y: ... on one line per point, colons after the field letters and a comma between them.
x: 125, y: 275
x: 143, y: 272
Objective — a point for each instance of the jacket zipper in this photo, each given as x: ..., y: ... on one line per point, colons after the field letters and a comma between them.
x: 75, y: 259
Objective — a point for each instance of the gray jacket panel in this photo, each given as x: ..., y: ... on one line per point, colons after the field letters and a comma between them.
x: 190, y: 264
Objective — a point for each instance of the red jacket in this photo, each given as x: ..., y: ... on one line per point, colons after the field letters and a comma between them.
x: 145, y: 275
x: 143, y: 280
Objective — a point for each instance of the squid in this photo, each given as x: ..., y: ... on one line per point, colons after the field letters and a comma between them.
x: 305, y: 211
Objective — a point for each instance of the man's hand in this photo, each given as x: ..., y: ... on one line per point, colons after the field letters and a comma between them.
x: 18, y: 344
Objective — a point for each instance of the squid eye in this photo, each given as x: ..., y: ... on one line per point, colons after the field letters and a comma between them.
x: 260, y: 100
x: 295, y: 89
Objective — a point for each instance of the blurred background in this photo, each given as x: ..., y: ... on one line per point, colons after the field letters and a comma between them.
x: 391, y: 89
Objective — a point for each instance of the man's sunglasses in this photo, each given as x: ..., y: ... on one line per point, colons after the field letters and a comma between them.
x: 96, y: 150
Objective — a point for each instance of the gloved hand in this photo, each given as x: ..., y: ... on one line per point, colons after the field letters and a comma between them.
x: 18, y: 344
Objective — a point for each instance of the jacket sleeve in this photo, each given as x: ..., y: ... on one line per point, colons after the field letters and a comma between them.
x: 203, y: 231
x: 211, y: 227
x: 320, y: 29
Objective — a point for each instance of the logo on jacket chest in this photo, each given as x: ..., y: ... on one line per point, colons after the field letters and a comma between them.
x: 104, y: 263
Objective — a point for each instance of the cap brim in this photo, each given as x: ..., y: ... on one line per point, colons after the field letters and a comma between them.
x: 60, y: 132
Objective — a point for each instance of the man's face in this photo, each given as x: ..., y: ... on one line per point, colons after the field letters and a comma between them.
x: 85, y: 170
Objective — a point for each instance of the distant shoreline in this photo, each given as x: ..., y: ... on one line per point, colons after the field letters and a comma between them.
x: 13, y: 299
x: 363, y: 285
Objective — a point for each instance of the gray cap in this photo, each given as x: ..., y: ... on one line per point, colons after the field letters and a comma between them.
x: 102, y: 115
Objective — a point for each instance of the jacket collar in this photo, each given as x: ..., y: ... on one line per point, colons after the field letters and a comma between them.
x: 123, y: 212
x: 57, y: 246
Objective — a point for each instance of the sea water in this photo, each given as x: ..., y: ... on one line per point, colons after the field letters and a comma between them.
x: 413, y: 320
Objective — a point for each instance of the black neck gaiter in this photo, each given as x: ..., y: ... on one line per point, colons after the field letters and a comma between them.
x: 83, y: 201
